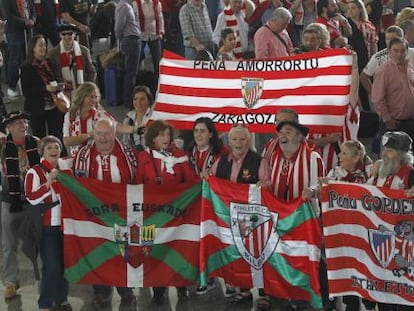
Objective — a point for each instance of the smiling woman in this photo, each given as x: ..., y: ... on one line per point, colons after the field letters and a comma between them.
x: 39, y: 190
x: 163, y: 163
x: 39, y: 86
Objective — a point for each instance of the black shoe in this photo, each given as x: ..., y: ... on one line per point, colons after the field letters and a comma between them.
x: 183, y: 294
x: 128, y: 300
x: 158, y: 300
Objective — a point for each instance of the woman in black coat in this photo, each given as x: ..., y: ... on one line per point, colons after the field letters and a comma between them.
x: 38, y: 85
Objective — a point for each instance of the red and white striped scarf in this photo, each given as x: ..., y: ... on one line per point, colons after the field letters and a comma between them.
x: 140, y: 13
x: 38, y: 8
x: 121, y: 164
x: 231, y: 22
x: 303, y: 172
x: 369, y: 33
x: 66, y: 62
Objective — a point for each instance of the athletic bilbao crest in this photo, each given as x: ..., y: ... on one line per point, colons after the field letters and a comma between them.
x: 254, y: 232
x: 251, y: 89
x: 134, y: 242
x: 382, y: 243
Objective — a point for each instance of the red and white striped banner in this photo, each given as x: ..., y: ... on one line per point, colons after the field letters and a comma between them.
x: 315, y: 84
x: 369, y: 242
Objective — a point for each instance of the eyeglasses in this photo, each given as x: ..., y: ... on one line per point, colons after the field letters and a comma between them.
x: 67, y: 33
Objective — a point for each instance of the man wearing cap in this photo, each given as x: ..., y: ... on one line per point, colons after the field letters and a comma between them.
x: 294, y: 167
x: 105, y: 158
x: 393, y: 89
x: 395, y: 171
x: 71, y: 61
x: 18, y: 155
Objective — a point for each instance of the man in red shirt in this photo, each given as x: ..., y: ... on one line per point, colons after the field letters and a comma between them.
x: 105, y: 158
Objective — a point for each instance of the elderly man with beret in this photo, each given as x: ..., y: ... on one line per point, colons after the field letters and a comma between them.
x: 18, y: 155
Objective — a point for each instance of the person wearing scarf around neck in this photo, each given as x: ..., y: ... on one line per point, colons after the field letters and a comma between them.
x: 204, y: 151
x: 40, y: 188
x: 83, y: 113
x: 37, y: 77
x: 18, y: 154
x: 71, y: 61
x: 162, y: 163
x: 142, y: 101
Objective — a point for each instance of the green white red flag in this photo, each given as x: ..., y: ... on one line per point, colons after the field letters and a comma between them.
x: 369, y: 242
x: 130, y: 235
x: 251, y: 239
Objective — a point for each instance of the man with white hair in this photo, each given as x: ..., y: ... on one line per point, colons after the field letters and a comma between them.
x: 105, y: 158
x: 294, y: 167
x: 272, y: 40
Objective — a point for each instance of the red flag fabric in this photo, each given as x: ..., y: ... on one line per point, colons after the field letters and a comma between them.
x: 369, y: 242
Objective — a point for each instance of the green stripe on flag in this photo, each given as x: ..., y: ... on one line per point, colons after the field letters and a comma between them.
x: 160, y: 219
x: 175, y: 261
x: 89, y: 200
x: 218, y: 260
x: 220, y: 209
x: 91, y: 261
x: 301, y: 215
x: 295, y: 278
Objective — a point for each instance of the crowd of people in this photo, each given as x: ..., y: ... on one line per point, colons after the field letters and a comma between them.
x: 44, y: 139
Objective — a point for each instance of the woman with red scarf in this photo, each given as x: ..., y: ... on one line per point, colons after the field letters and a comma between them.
x: 162, y: 163
x: 38, y: 85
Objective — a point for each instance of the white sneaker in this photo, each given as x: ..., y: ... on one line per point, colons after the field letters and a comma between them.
x: 202, y: 290
x: 12, y: 93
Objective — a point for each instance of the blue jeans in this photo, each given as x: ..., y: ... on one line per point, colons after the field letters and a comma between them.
x: 155, y: 49
x: 53, y: 285
x: 16, y: 55
x: 10, y: 223
x: 131, y: 48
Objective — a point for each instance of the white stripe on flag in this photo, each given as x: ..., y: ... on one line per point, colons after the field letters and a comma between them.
x: 298, y: 249
x: 288, y: 100
x: 133, y: 194
x: 365, y: 260
x: 88, y: 229
x: 269, y: 84
x: 162, y: 235
x: 209, y: 227
x: 182, y: 232
x: 255, y: 197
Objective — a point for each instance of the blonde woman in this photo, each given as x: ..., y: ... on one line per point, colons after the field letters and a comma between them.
x: 83, y: 113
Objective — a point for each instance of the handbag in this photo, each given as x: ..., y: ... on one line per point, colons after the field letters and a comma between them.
x: 61, y: 101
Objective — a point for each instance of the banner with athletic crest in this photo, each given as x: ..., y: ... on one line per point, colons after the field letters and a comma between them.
x: 251, y: 239
x: 369, y: 241
x: 315, y: 84
x: 130, y: 235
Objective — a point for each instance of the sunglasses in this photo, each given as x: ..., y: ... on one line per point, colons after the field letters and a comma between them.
x: 67, y: 33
